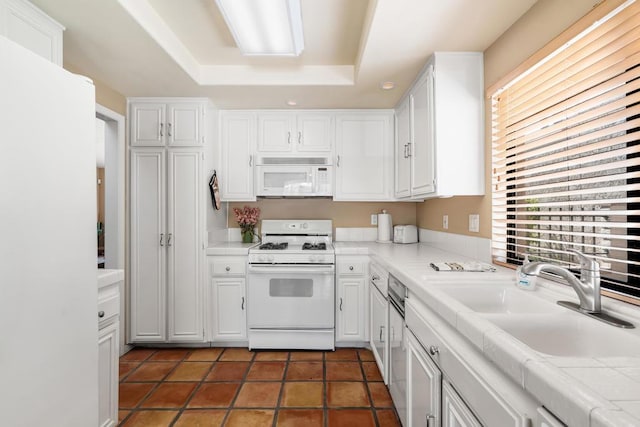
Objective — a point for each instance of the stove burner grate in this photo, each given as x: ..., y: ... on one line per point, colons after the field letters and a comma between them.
x: 315, y: 246
x: 274, y: 246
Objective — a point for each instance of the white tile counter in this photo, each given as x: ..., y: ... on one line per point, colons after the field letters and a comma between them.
x: 582, y: 391
x: 108, y: 277
x: 229, y: 248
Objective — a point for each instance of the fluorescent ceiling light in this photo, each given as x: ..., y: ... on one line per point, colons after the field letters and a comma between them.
x: 265, y: 27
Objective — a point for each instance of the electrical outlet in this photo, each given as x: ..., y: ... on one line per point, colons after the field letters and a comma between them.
x: 374, y: 219
x: 445, y: 222
x: 474, y: 223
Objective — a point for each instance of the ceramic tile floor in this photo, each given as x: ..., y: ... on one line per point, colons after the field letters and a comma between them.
x: 237, y: 387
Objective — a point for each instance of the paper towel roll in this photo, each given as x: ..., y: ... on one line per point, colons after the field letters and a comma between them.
x: 385, y: 227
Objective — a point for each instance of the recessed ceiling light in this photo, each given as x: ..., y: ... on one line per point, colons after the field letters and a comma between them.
x: 265, y: 27
x: 292, y: 103
x: 387, y: 85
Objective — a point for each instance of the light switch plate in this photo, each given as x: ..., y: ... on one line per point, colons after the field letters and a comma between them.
x: 474, y: 223
x: 374, y: 219
x: 445, y: 222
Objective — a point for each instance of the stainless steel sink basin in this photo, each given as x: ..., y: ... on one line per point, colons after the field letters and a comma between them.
x: 498, y: 299
x: 569, y: 334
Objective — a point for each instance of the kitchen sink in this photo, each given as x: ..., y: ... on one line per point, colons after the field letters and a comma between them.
x: 498, y: 299
x: 569, y: 335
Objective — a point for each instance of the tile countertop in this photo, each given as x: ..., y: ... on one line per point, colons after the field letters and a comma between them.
x: 108, y: 277
x: 229, y: 248
x: 581, y: 391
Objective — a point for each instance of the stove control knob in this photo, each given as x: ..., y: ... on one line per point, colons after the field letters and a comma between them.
x: 270, y: 258
x: 305, y: 225
x: 313, y: 258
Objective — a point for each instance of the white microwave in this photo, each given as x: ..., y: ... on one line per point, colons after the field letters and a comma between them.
x: 294, y: 177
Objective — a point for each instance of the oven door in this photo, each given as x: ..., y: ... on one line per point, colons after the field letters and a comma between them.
x: 291, y: 297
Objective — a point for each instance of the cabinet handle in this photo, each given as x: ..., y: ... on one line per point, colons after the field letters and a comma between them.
x: 338, y: 162
x: 161, y: 129
x: 393, y: 334
x: 289, y: 137
x: 169, y: 239
x: 433, y: 350
x: 169, y: 129
x: 161, y: 239
x: 251, y: 160
x: 299, y: 137
x: 375, y: 277
x: 101, y: 314
x: 242, y: 306
x: 381, y: 331
x: 351, y: 267
x: 340, y: 304
x: 430, y: 420
x: 228, y: 268
x: 408, y: 149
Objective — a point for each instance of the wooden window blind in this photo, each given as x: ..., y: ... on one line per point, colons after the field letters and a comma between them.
x: 566, y: 155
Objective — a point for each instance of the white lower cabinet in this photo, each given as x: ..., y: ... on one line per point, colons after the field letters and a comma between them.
x: 227, y: 298
x: 108, y: 353
x: 423, y: 386
x: 455, y: 413
x: 379, y: 320
x: 108, y: 342
x: 166, y: 245
x: 452, y: 382
x: 351, y: 303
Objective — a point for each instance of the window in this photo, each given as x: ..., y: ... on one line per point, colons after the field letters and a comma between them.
x: 566, y: 155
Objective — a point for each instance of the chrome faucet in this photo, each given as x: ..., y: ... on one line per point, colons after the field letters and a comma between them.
x: 587, y: 288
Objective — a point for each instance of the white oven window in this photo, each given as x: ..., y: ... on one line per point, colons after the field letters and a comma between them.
x: 292, y: 288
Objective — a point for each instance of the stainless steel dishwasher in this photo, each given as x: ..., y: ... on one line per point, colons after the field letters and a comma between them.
x: 397, y: 347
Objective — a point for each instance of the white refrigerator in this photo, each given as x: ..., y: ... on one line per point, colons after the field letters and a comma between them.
x: 48, y: 291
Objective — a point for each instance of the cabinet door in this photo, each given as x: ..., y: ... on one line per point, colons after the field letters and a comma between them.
x: 276, y: 132
x: 350, y: 313
x: 148, y: 250
x: 364, y: 157
x: 148, y: 124
x: 184, y: 124
x: 398, y: 364
x: 31, y: 28
x: 314, y: 133
x: 422, y: 153
x: 378, y: 314
x: 402, y: 146
x: 108, y: 342
x: 238, y: 143
x: 229, y: 309
x: 455, y: 413
x: 423, y: 386
x: 184, y: 246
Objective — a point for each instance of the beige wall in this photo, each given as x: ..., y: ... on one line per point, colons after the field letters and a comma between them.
x: 105, y: 96
x: 543, y: 22
x: 343, y: 214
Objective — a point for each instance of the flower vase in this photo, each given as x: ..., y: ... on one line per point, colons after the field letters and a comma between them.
x: 247, y: 235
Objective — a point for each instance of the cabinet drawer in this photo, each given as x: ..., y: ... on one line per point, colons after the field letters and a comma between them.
x: 236, y: 266
x: 346, y: 268
x: 108, y: 308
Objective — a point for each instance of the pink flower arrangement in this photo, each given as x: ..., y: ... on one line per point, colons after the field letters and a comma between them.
x: 247, y: 218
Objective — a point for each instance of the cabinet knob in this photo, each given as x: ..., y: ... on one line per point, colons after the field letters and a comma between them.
x: 228, y: 268
x: 351, y: 267
x: 101, y: 314
x: 433, y: 350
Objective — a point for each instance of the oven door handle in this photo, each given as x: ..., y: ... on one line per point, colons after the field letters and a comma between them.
x: 310, y: 270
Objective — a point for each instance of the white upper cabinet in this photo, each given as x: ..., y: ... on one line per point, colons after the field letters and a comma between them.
x: 237, y: 142
x: 31, y: 28
x: 159, y: 122
x: 364, y: 156
x: 284, y: 132
x: 440, y: 142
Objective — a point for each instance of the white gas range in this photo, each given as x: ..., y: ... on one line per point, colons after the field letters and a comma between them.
x: 291, y: 286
